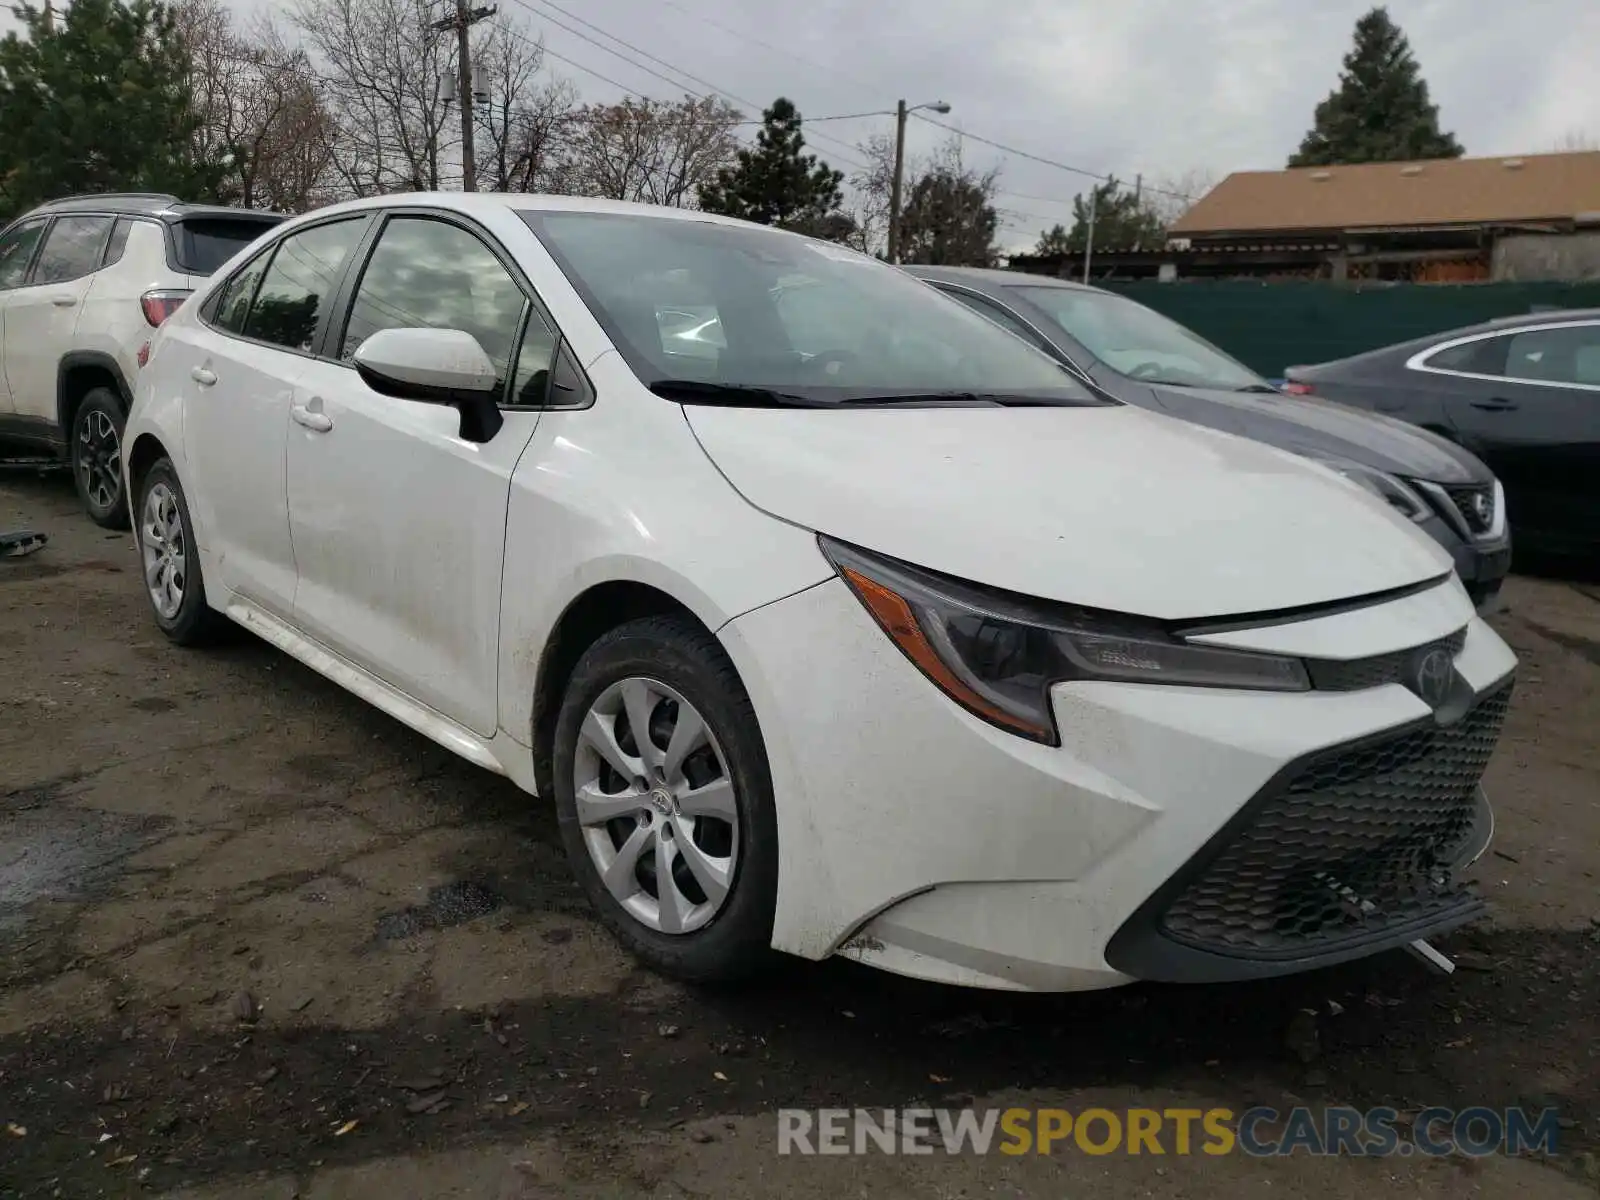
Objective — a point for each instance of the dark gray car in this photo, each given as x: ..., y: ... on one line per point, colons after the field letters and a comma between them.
x: 1148, y: 360
x: 1522, y: 392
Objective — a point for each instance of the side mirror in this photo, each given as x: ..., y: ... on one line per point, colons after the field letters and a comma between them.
x: 435, y: 366
x: 438, y: 366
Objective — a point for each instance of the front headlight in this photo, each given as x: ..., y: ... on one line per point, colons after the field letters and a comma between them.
x: 1399, y: 495
x: 997, y: 654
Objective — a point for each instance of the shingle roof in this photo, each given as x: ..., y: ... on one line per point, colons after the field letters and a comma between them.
x: 1461, y: 191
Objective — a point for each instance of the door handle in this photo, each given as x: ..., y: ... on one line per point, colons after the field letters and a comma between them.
x: 63, y: 301
x: 313, y: 419
x: 1494, y: 404
x: 202, y: 376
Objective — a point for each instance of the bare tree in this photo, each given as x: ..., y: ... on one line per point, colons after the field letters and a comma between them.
x: 869, y: 202
x: 525, y: 124
x: 954, y: 197
x: 260, y: 116
x: 1573, y: 141
x: 388, y: 83
x: 1175, y: 194
x: 650, y: 150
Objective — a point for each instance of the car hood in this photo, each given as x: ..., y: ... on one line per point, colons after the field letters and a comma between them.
x: 1111, y: 508
x: 1305, y: 425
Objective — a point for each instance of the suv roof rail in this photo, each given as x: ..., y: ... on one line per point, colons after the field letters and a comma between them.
x: 113, y: 196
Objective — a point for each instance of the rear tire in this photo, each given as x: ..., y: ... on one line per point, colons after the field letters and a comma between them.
x: 714, y: 923
x: 170, y: 562
x: 95, y: 451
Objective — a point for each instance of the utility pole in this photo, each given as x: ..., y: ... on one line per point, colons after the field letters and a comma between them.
x: 1088, y: 245
x: 49, y: 18
x: 895, y: 183
x: 462, y: 20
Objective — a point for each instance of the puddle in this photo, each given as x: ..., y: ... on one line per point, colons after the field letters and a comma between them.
x: 53, y: 851
x: 448, y: 904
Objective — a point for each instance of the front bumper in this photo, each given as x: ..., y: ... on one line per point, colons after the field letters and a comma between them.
x: 914, y: 837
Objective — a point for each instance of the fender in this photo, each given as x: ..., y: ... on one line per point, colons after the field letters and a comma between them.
x: 75, y: 360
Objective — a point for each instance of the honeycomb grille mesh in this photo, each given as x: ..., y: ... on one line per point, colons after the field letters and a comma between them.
x: 1357, y: 841
x: 1357, y: 674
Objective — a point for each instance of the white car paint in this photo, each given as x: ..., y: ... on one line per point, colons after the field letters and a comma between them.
x: 426, y: 573
x: 1168, y: 544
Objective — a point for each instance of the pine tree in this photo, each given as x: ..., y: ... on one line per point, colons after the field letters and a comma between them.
x: 777, y: 184
x: 98, y: 103
x: 1380, y: 112
x: 1122, y: 221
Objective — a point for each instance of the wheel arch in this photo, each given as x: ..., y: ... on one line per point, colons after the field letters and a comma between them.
x: 146, y: 451
x: 80, y: 372
x: 589, y: 615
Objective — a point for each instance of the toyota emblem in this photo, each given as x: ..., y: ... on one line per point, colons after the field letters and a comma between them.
x: 1432, y: 678
x: 1481, y: 508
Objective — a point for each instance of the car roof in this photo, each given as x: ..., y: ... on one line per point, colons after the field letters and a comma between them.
x: 479, y: 203
x: 160, y: 205
x: 994, y: 277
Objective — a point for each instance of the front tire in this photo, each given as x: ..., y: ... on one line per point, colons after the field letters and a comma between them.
x: 95, y: 450
x: 170, y: 561
x: 673, y: 836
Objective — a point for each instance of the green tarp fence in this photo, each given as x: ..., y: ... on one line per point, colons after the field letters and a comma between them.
x: 1271, y: 326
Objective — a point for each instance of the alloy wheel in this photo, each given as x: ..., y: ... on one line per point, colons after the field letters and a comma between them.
x: 99, y: 459
x: 165, y: 550
x: 657, y: 806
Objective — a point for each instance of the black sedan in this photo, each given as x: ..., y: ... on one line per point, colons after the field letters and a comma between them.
x: 1145, y: 359
x: 1523, y: 393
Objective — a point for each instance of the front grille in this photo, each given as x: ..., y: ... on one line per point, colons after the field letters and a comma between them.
x: 1356, y: 842
x: 1476, y: 506
x: 1328, y: 675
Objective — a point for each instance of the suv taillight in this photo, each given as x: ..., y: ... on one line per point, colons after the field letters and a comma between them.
x: 1295, y: 388
x: 160, y: 305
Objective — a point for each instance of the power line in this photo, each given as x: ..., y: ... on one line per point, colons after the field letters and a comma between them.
x: 1049, y: 162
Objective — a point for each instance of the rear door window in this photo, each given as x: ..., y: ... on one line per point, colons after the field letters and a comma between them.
x: 304, y: 275
x: 72, y: 249
x: 203, y: 244
x: 16, y: 251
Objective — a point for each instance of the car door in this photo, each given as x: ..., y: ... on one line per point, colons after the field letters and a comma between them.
x: 1528, y: 400
x: 17, y: 250
x: 41, y: 314
x: 238, y: 367
x: 398, y: 520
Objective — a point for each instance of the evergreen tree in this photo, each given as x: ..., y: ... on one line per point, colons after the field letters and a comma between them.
x: 949, y: 220
x: 777, y: 184
x: 1380, y: 112
x: 1053, y: 241
x: 1122, y: 221
x: 99, y: 103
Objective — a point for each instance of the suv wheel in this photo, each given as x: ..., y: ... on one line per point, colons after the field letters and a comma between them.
x: 169, y: 560
x: 665, y: 800
x: 96, y: 452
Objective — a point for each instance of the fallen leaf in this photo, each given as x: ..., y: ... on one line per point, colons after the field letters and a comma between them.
x: 345, y: 1128
x: 939, y: 1078
x: 720, y: 1076
x: 123, y: 1161
x: 17, y: 1130
x: 520, y: 1106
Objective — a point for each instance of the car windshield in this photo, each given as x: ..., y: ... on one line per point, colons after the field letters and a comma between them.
x: 709, y: 312
x: 1139, y: 342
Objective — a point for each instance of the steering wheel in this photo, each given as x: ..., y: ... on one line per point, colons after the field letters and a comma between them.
x: 1146, y: 370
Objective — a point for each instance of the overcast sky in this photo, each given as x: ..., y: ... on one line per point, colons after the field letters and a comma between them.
x: 1151, y: 87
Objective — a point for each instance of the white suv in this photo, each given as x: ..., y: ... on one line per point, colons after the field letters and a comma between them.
x: 83, y: 282
x: 861, y: 628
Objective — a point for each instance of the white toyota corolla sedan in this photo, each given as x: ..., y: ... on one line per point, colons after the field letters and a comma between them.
x: 833, y: 618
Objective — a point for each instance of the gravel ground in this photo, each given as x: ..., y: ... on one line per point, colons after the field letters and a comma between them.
x: 257, y: 940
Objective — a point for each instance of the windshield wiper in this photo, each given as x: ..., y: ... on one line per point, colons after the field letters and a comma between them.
x: 1259, y: 387
x: 736, y: 395
x: 1001, y: 399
